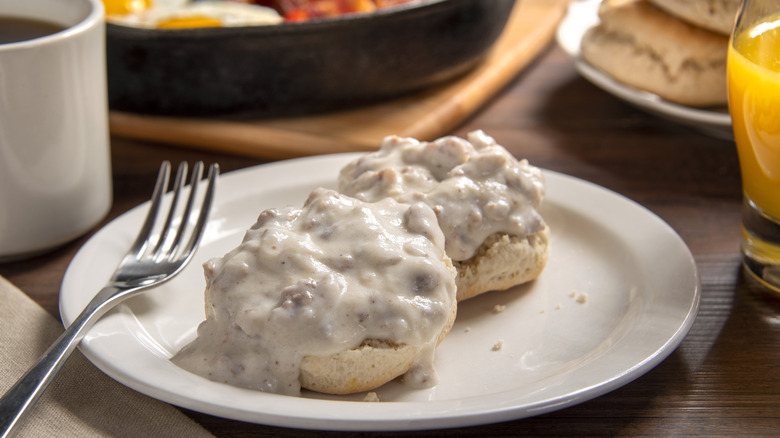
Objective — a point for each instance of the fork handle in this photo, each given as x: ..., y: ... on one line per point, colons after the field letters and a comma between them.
x: 18, y: 400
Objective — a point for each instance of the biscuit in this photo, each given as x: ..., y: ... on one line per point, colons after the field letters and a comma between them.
x: 503, y: 261
x: 642, y: 46
x: 715, y: 15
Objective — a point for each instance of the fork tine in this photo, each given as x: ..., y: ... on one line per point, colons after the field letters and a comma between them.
x: 197, y: 173
x: 178, y: 185
x: 200, y: 225
x: 151, y: 217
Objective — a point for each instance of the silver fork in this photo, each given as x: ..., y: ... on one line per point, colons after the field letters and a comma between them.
x: 158, y: 254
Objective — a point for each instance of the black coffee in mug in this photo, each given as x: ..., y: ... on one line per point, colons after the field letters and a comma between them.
x: 15, y: 29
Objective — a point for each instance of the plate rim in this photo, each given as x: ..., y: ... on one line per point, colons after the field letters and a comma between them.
x: 374, y: 415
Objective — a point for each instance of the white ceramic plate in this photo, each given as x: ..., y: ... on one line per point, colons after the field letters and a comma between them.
x: 639, y: 278
x: 581, y: 16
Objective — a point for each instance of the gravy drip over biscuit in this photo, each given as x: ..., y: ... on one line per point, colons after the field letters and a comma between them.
x: 320, y: 280
x: 475, y: 186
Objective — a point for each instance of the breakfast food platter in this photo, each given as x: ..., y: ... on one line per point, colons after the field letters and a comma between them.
x: 610, y: 305
x: 298, y: 68
x: 581, y: 16
x: 426, y: 114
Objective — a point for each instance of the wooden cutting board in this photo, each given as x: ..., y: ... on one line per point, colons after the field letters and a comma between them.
x: 425, y: 115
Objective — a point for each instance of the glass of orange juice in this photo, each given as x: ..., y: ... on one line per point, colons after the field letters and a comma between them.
x: 754, y: 102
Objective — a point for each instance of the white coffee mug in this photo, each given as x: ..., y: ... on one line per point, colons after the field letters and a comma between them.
x: 55, y: 167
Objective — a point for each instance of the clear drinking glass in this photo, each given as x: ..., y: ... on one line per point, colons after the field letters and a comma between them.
x: 754, y: 103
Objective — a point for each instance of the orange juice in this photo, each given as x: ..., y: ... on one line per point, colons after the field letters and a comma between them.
x: 754, y: 101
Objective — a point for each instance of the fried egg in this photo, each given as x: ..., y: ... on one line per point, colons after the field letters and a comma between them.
x: 179, y: 14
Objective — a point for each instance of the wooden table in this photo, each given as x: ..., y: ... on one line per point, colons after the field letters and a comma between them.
x: 722, y: 380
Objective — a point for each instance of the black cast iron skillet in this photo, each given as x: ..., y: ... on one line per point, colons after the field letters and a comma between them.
x: 299, y: 68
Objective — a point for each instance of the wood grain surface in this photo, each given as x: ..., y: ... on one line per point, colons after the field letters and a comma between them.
x: 723, y: 378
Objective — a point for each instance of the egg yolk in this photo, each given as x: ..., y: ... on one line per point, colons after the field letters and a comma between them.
x: 123, y: 7
x: 189, y: 22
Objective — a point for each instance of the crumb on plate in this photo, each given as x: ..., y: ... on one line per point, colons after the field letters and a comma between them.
x: 371, y: 397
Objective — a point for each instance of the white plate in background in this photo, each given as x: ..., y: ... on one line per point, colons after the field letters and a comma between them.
x: 581, y: 16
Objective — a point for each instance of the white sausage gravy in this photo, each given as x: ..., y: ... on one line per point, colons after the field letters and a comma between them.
x: 320, y: 280
x: 475, y: 186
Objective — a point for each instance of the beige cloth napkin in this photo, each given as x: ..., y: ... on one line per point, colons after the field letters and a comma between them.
x: 81, y: 401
